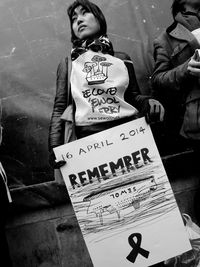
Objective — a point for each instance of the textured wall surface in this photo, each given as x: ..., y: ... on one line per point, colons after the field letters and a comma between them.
x: 34, y: 37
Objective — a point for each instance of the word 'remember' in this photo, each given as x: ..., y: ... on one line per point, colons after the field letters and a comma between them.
x: 128, y: 162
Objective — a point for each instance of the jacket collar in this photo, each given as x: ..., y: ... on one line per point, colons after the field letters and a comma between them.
x: 180, y: 32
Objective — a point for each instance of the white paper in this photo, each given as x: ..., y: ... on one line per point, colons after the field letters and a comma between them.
x: 120, y: 191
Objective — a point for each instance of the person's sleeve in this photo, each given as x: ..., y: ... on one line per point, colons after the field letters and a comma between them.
x: 165, y: 76
x: 56, y: 128
x: 133, y: 95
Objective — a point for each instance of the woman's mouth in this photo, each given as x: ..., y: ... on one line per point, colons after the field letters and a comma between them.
x: 81, y: 28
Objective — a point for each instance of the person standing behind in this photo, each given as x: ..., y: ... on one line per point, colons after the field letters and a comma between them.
x: 176, y: 76
x: 103, y: 85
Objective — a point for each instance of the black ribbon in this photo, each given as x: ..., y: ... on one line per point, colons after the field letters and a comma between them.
x: 136, y: 248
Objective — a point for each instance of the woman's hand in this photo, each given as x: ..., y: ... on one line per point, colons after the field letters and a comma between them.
x: 55, y: 164
x: 156, y: 111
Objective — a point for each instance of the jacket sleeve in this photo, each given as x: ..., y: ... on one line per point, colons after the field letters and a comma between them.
x: 165, y: 75
x: 133, y: 95
x: 56, y: 128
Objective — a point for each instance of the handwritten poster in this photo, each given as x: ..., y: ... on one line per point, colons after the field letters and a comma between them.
x: 122, y: 197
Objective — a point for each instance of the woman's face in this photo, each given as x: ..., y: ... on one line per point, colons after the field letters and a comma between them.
x: 84, y: 23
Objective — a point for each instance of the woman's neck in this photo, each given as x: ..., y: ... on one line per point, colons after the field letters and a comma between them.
x: 92, y: 37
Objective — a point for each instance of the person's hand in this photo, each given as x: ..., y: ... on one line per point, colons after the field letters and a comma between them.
x: 194, y: 64
x: 55, y: 164
x: 156, y: 111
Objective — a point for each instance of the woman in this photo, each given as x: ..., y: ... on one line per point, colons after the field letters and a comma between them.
x: 103, y: 83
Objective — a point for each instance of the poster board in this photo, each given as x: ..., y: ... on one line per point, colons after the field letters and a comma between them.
x: 122, y: 197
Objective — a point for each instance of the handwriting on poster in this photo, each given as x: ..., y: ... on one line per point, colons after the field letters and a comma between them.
x: 126, y: 163
x: 105, y: 143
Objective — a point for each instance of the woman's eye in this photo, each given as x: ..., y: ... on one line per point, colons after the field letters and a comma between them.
x: 84, y: 11
x: 74, y: 19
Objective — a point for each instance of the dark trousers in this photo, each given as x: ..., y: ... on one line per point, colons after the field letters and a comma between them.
x: 195, y: 144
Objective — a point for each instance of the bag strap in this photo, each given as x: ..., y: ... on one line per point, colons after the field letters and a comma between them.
x: 69, y: 68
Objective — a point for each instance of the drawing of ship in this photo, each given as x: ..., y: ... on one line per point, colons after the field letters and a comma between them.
x: 117, y: 198
x: 97, y: 78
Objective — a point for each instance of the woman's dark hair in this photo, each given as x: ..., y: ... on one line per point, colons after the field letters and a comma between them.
x: 90, y: 7
x: 177, y: 6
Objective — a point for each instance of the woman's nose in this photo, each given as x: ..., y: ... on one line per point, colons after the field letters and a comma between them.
x: 79, y: 20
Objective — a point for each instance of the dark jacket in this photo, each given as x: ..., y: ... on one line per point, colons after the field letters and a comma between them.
x: 132, y: 96
x: 171, y: 82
